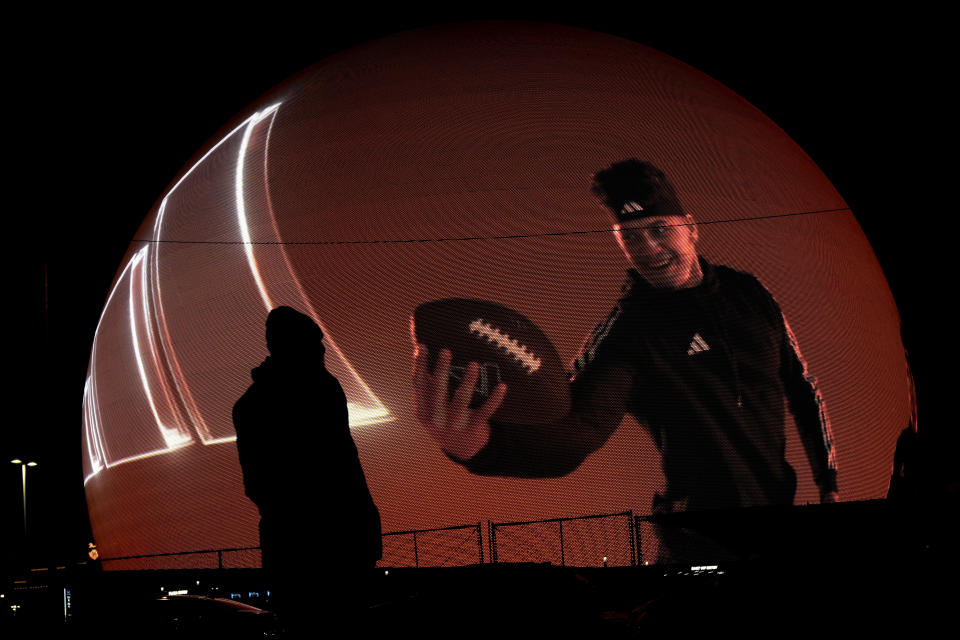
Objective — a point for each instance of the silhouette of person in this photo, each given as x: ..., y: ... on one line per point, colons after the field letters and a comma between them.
x: 907, y: 465
x: 318, y: 522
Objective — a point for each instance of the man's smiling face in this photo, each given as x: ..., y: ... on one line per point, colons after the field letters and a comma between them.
x: 662, y: 249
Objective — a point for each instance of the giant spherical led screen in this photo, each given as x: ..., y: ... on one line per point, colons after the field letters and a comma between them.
x: 715, y: 339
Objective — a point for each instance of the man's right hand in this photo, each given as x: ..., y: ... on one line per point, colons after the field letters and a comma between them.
x: 461, y: 432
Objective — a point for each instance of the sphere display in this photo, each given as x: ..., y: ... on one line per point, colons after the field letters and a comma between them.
x: 457, y: 162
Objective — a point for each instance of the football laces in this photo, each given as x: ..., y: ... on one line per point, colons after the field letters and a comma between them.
x: 499, y: 339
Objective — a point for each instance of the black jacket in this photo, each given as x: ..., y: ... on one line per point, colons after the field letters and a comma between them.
x: 300, y: 464
x: 706, y: 370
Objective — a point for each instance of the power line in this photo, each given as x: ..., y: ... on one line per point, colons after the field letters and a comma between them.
x: 470, y: 238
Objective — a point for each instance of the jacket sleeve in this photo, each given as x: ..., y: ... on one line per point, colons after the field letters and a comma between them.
x: 598, y: 401
x: 247, y: 450
x: 809, y: 411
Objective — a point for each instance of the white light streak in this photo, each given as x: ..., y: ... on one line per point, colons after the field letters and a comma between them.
x: 92, y: 433
x: 193, y: 413
x: 359, y: 415
x: 148, y: 454
x: 191, y: 410
x: 242, y: 215
x: 110, y: 296
x: 172, y: 437
x: 148, y: 317
x: 255, y: 117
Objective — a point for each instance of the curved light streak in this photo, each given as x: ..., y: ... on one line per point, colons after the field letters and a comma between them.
x: 193, y: 412
x: 96, y: 449
x: 242, y: 214
x: 172, y: 436
x: 191, y: 409
x: 360, y: 415
x: 159, y: 348
x: 92, y: 434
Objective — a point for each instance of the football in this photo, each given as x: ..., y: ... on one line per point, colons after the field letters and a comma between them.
x: 508, y: 348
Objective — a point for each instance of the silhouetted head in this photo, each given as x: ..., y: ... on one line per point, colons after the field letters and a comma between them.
x: 291, y: 333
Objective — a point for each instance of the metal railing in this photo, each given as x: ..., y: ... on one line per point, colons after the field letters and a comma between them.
x: 443, y: 548
x: 595, y: 540
x: 616, y: 539
x: 583, y: 541
x: 438, y: 547
x: 201, y: 559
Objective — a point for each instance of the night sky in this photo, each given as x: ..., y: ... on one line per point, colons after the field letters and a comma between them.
x: 102, y: 120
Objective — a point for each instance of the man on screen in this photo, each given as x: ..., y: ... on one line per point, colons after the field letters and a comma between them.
x: 698, y: 353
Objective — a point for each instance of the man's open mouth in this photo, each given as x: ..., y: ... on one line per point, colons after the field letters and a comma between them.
x: 659, y: 264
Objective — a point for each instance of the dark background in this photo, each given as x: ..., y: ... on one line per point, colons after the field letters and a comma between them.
x: 101, y: 118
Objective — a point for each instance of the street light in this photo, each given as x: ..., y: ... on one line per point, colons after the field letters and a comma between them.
x: 23, y: 469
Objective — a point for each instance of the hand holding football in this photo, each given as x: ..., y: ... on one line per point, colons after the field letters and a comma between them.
x: 460, y: 430
x: 492, y: 344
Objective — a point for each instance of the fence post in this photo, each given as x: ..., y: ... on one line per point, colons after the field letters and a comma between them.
x: 480, y: 540
x: 219, y: 558
x: 416, y: 555
x: 633, y: 546
x: 638, y: 540
x: 563, y: 562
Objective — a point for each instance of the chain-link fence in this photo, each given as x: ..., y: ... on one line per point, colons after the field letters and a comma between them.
x: 584, y: 541
x: 238, y: 558
x: 442, y: 547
